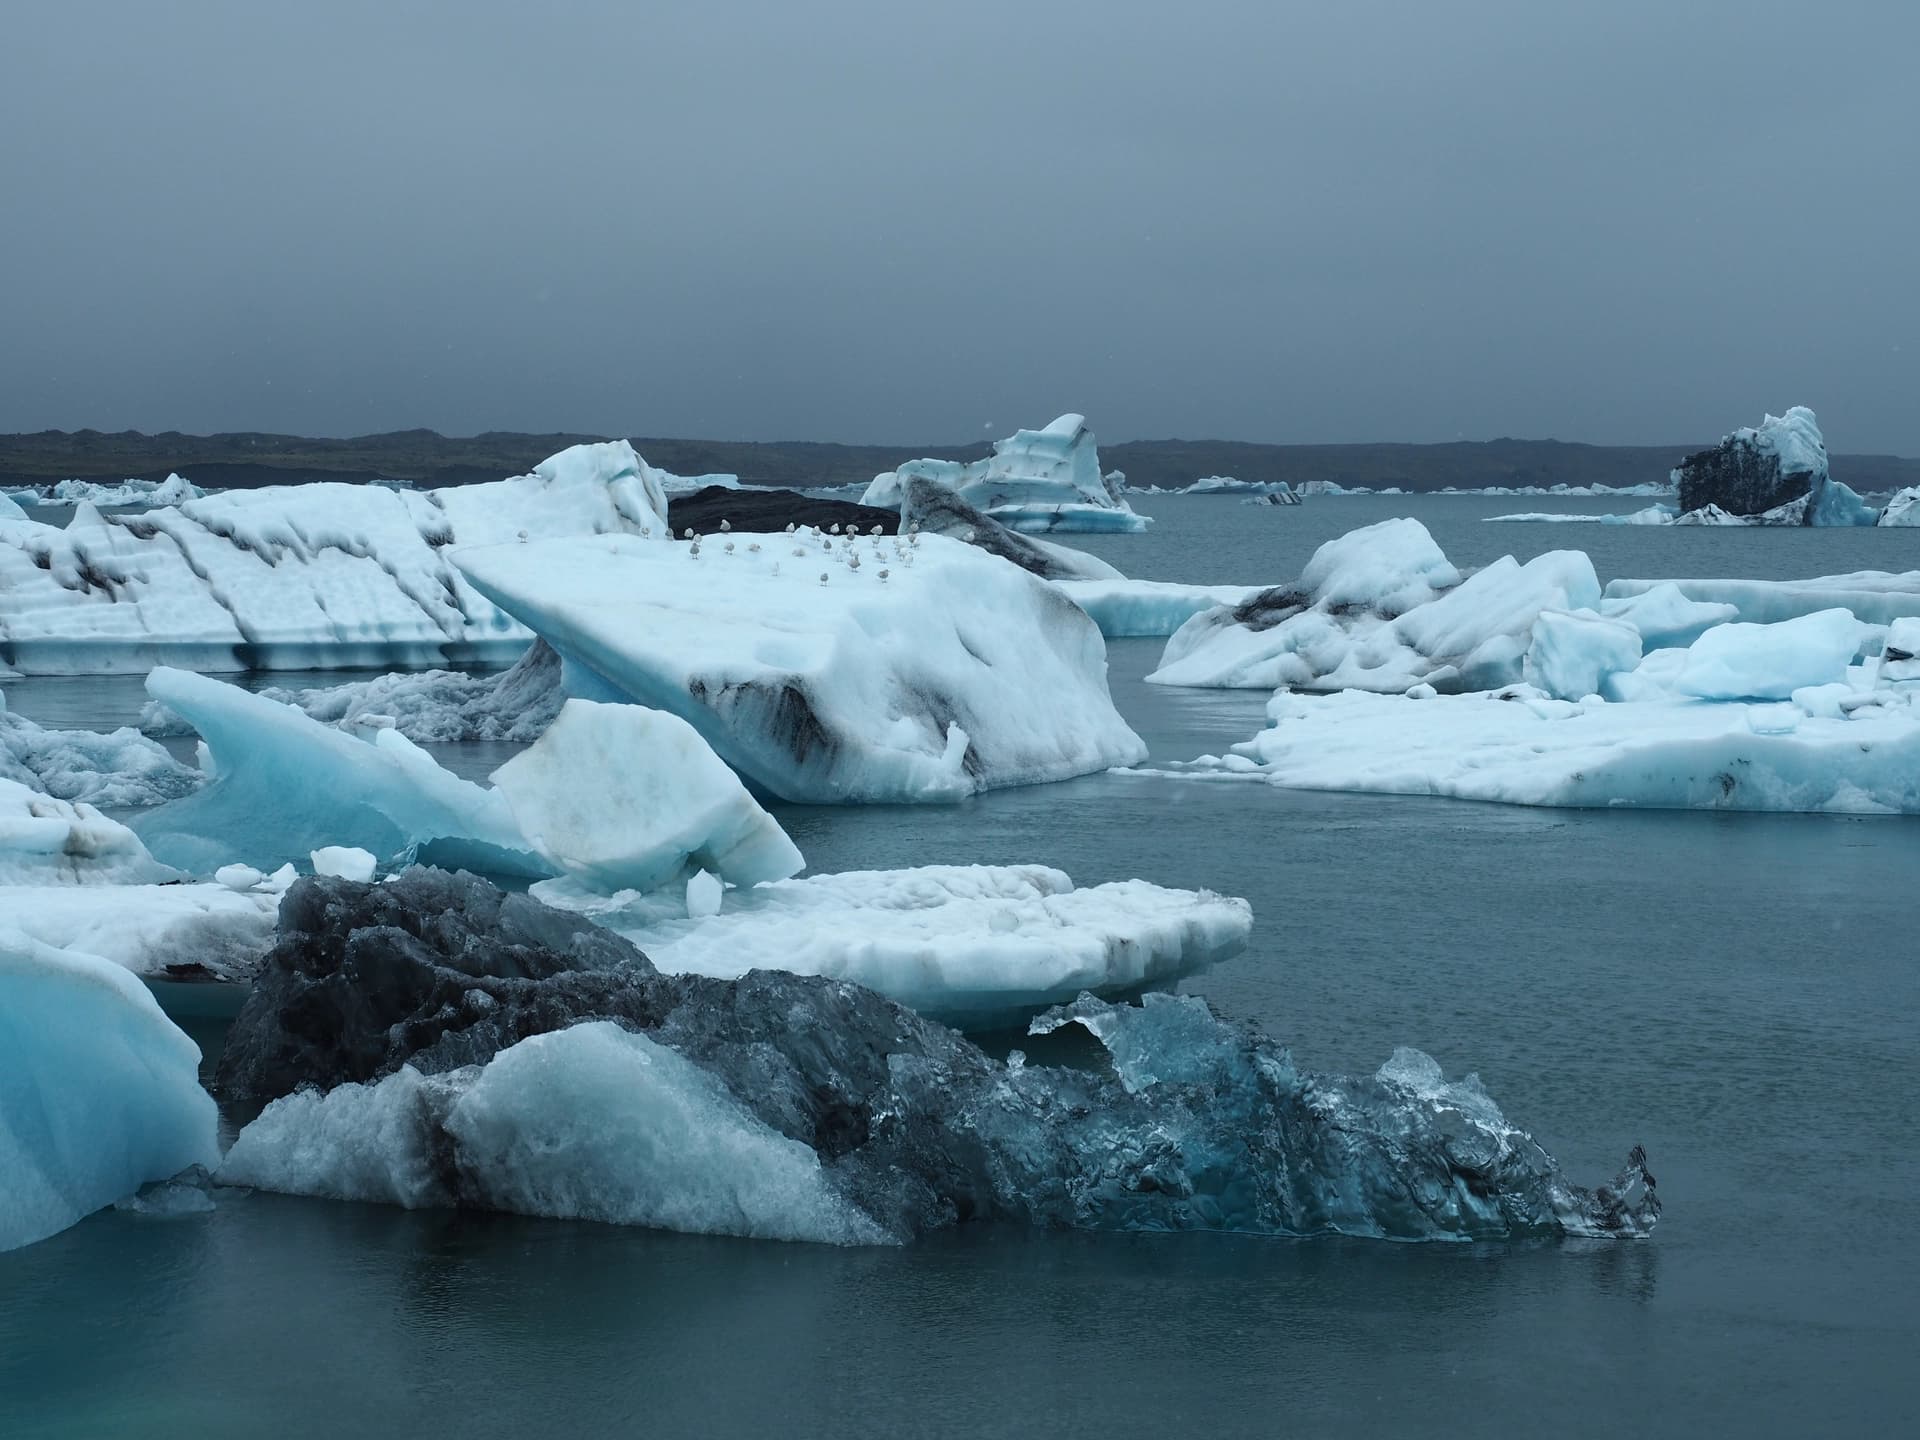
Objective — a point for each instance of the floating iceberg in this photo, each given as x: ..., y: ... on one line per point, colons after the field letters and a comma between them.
x: 894, y: 1126
x: 932, y: 509
x: 1278, y: 491
x: 1036, y: 480
x: 1381, y: 608
x: 1903, y: 508
x: 624, y: 797
x: 1522, y: 747
x: 121, y: 768
x: 973, y: 946
x: 182, y: 932
x: 283, y: 785
x: 1875, y: 596
x: 44, y: 841
x: 824, y: 669
x: 99, y: 1091
x: 1755, y: 469
x: 1125, y: 608
x: 1652, y: 515
x: 293, y: 576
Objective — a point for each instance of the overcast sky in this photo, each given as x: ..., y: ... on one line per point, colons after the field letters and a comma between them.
x: 1629, y: 221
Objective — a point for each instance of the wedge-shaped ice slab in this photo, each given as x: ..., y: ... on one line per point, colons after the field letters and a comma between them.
x: 824, y: 669
x: 99, y: 1091
x: 974, y: 946
x: 626, y: 797
x: 284, y: 785
x: 1382, y: 609
x: 44, y: 841
x: 1190, y: 1123
x: 1035, y: 480
x: 294, y: 576
x: 1859, y: 754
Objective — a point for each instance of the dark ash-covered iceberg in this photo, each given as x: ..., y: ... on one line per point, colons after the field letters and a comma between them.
x: 433, y: 1041
x: 1775, y: 474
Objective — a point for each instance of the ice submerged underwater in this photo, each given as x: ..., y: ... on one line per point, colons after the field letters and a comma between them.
x: 617, y: 1045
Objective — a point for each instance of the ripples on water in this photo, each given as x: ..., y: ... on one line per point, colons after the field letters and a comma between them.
x: 1737, y: 992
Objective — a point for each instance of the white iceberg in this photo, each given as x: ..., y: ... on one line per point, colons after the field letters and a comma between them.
x: 283, y: 785
x: 99, y: 1091
x: 1521, y: 747
x: 1035, y: 480
x: 323, y: 575
x: 120, y: 768
x: 626, y: 797
x: 828, y: 669
x: 1875, y: 596
x: 1903, y: 509
x: 974, y: 946
x: 593, y: 1122
x: 44, y: 841
x: 207, y: 931
x: 1382, y: 609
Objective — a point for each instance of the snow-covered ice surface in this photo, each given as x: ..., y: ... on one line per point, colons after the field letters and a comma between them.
x: 425, y: 1086
x: 322, y: 575
x: 627, y: 797
x: 974, y: 946
x: 1875, y: 596
x: 284, y: 785
x: 1035, y: 480
x: 824, y: 669
x: 44, y: 841
x: 99, y: 1091
x: 1381, y: 608
x: 203, y: 932
x: 120, y: 768
x: 1124, y: 608
x: 1853, y: 753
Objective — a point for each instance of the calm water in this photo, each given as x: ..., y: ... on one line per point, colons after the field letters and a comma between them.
x: 1738, y: 993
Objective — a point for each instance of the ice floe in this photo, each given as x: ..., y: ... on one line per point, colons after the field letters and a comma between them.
x: 321, y: 575
x: 1875, y: 596
x: 456, y: 1073
x: 828, y: 669
x: 974, y: 946
x: 1035, y: 480
x: 119, y: 768
x: 99, y: 1091
x: 44, y: 841
x: 1382, y: 609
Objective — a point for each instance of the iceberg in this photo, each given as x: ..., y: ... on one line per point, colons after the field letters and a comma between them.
x: 1278, y: 491
x: 283, y: 785
x: 973, y: 946
x: 932, y: 509
x: 99, y: 1091
x: 1754, y: 469
x: 1191, y: 1123
x: 1521, y: 747
x: 824, y: 669
x: 1903, y: 509
x: 1651, y: 515
x: 624, y: 797
x: 1155, y: 608
x: 1875, y: 596
x: 1382, y: 609
x: 1035, y: 480
x: 171, y: 931
x: 122, y: 768
x: 44, y: 841
x: 323, y: 575
x: 173, y: 490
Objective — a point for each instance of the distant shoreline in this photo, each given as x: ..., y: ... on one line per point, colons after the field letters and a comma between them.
x: 429, y: 459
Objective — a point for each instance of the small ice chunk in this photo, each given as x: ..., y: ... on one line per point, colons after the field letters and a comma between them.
x: 703, y: 895
x: 347, y: 861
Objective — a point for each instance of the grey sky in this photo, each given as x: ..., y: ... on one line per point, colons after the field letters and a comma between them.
x: 1634, y: 221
